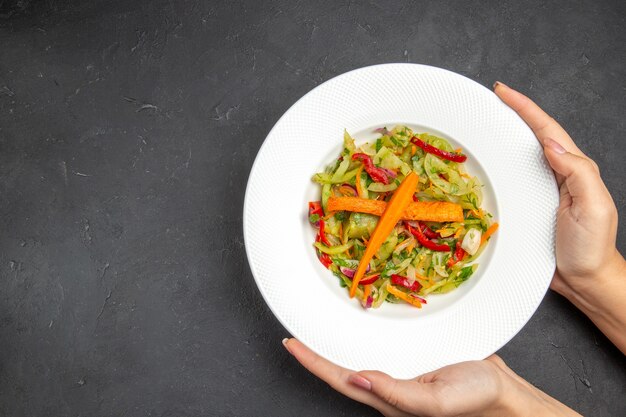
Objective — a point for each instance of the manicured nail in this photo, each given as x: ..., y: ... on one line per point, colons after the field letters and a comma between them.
x: 498, y: 83
x: 286, y: 344
x: 554, y: 145
x: 359, y: 381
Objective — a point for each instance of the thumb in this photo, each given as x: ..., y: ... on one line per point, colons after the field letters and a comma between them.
x: 579, y: 173
x: 406, y: 395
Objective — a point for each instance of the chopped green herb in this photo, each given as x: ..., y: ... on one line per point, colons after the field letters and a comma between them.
x: 341, y: 216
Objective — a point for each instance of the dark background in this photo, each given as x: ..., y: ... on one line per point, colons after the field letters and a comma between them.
x: 127, y: 132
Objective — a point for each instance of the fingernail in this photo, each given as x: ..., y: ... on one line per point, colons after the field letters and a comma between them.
x: 498, y: 83
x: 359, y: 381
x: 286, y: 344
x: 554, y: 145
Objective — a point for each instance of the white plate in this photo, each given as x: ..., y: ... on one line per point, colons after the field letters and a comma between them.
x: 469, y: 323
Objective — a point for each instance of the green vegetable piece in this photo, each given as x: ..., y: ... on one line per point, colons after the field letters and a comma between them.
x: 437, y: 142
x: 333, y: 250
x: 361, y: 225
x: 348, y: 143
x: 385, y: 158
x: 341, y: 170
x: 453, y: 185
x: 465, y: 273
x: 382, y: 188
x: 326, y: 192
x: 387, y: 248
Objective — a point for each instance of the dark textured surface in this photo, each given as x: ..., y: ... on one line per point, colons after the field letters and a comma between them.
x: 127, y: 131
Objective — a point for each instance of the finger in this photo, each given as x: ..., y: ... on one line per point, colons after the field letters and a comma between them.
x: 338, y: 378
x: 407, y: 395
x: 580, y: 175
x: 542, y: 125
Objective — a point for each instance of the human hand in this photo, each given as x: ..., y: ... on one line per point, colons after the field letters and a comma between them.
x: 476, y: 388
x: 590, y: 272
x: 587, y: 216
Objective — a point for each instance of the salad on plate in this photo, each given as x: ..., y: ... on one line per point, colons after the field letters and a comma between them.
x: 400, y: 218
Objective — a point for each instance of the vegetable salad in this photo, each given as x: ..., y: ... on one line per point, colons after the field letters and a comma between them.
x: 429, y: 234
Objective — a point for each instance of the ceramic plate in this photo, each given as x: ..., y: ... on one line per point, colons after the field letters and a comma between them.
x: 520, y: 191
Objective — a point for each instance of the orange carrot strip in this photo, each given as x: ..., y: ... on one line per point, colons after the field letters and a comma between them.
x: 359, y: 190
x: 388, y: 219
x: 413, y: 301
x: 366, y: 292
x: 341, y: 233
x: 433, y: 211
x: 413, y: 150
x: 492, y: 229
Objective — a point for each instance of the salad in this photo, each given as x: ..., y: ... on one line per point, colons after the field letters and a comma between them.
x: 400, y: 218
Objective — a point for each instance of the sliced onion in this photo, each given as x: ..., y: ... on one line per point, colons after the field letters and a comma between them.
x: 413, y: 223
x: 347, y: 190
x: 389, y: 172
x: 381, y: 130
x: 368, y: 303
x: 439, y: 269
x: 402, y: 246
x: 349, y: 272
x: 410, y: 274
x: 420, y: 299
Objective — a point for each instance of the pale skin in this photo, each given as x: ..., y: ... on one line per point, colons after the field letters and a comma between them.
x: 590, y: 272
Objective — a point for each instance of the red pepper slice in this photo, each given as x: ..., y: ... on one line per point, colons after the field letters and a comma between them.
x: 428, y: 232
x: 417, y: 232
x: 369, y: 280
x: 315, y: 207
x: 450, y: 156
x: 377, y: 174
x: 404, y: 282
x: 323, y: 237
x: 422, y: 300
x: 459, y: 254
x: 325, y: 260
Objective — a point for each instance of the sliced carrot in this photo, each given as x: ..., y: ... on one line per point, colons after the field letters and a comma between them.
x: 328, y: 215
x: 359, y: 191
x: 413, y: 149
x: 403, y: 296
x: 366, y: 292
x: 433, y: 211
x: 477, y: 213
x: 410, y: 248
x: 341, y: 232
x: 491, y: 230
x: 388, y: 219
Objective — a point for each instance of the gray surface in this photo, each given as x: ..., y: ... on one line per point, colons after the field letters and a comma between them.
x: 127, y: 131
